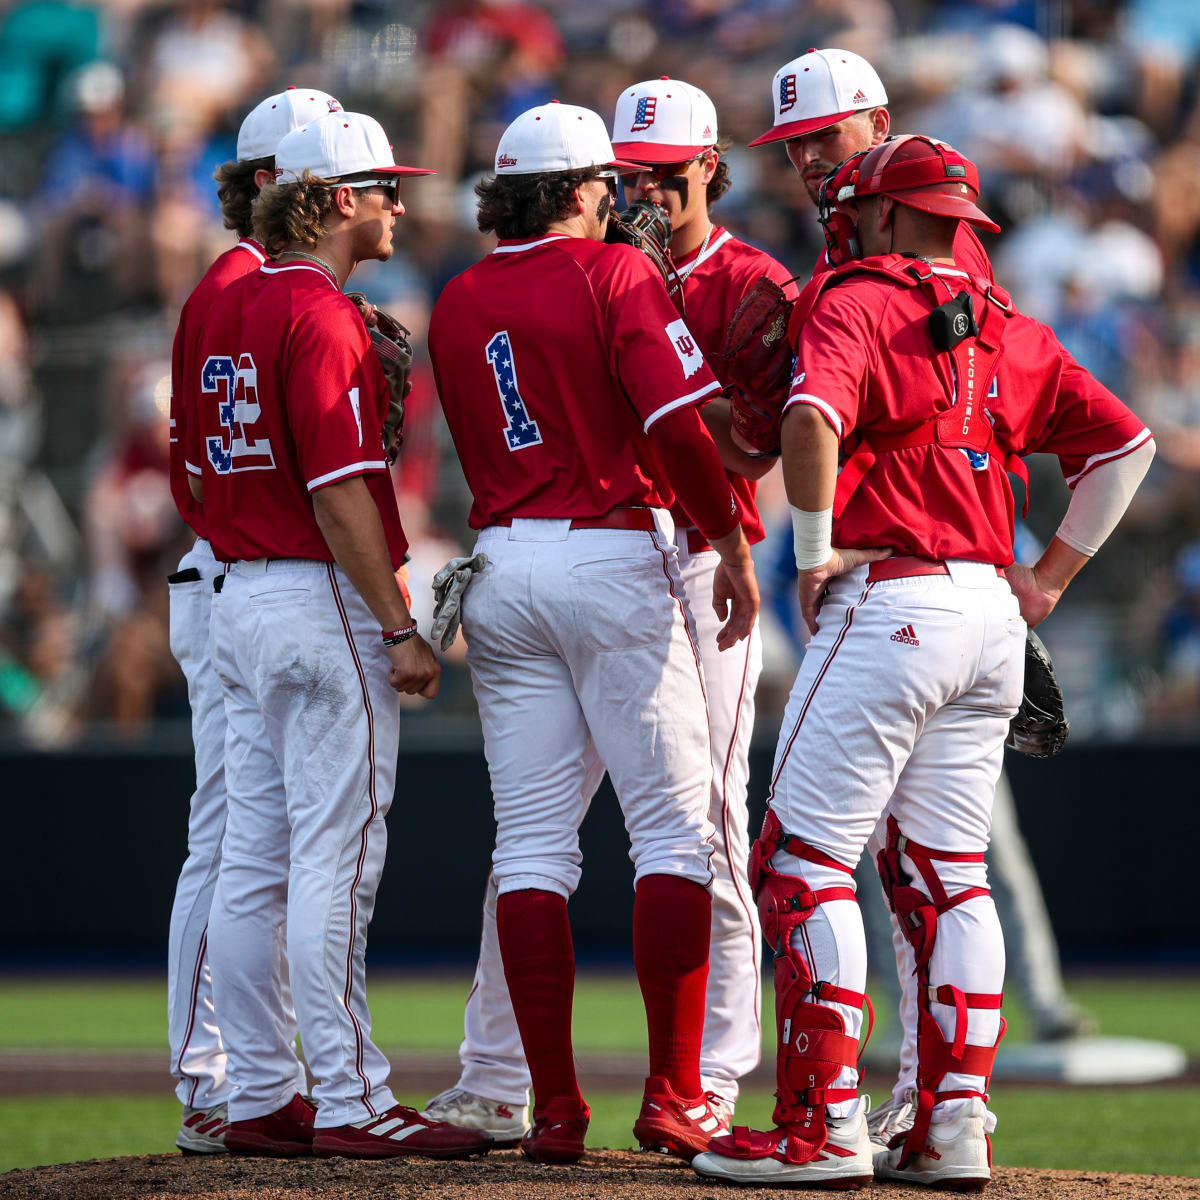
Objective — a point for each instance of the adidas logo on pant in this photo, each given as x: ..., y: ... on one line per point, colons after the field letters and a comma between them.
x: 907, y: 635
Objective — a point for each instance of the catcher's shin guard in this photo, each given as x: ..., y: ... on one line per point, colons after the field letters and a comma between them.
x: 917, y: 911
x: 813, y: 1044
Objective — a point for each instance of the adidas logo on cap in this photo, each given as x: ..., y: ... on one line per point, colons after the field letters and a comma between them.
x: 860, y: 97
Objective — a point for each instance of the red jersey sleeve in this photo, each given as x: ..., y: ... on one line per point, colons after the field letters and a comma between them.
x: 833, y: 359
x: 652, y: 351
x: 1085, y: 424
x: 336, y: 395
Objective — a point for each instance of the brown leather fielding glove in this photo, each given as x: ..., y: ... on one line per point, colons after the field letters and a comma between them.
x: 395, y: 352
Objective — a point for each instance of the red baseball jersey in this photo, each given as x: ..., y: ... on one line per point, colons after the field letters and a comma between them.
x: 290, y: 398
x: 715, y: 278
x: 866, y: 362
x: 554, y: 357
x: 237, y: 261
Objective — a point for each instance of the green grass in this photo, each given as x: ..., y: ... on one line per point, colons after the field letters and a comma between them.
x: 1140, y: 1130
x: 1144, y: 1130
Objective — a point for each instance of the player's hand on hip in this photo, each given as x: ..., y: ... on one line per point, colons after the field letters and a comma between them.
x: 1036, y: 598
x: 735, y: 589
x: 811, y: 585
x: 414, y: 670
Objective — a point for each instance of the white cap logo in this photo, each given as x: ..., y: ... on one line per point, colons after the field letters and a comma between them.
x: 555, y: 137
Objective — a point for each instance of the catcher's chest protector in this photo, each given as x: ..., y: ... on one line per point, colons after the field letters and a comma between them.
x: 974, y: 342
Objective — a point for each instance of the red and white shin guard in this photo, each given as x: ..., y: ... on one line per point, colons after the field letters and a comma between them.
x: 814, y: 1046
x: 917, y: 909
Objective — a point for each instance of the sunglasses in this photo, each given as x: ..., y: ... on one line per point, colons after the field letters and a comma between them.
x: 391, y: 186
x: 660, y: 171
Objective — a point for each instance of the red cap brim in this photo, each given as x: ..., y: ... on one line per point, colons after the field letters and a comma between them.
x: 656, y: 152
x: 622, y: 165
x: 401, y: 171
x: 942, y: 205
x: 799, y: 128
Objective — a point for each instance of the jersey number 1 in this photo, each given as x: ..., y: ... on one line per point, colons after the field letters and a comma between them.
x: 520, y: 429
x: 235, y: 449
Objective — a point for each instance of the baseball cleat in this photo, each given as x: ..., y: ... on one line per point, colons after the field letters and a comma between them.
x: 669, y: 1124
x: 505, y: 1123
x: 760, y: 1159
x: 400, y: 1131
x: 884, y: 1122
x: 285, y: 1133
x: 202, y: 1130
x: 558, y: 1131
x: 957, y: 1155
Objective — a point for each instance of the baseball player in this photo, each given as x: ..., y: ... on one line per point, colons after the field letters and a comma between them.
x: 197, y: 1053
x: 934, y: 385
x: 286, y: 454
x: 571, y: 353
x: 830, y: 104
x: 669, y: 128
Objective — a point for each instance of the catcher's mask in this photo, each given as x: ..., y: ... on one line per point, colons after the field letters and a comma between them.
x: 922, y: 173
x: 836, y: 213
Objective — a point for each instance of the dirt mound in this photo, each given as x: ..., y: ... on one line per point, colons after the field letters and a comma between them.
x: 601, y: 1174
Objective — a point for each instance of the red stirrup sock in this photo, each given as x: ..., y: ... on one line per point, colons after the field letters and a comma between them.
x: 672, y: 922
x: 539, y: 965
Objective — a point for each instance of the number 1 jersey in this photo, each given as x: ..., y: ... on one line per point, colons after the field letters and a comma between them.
x: 554, y: 357
x: 289, y: 398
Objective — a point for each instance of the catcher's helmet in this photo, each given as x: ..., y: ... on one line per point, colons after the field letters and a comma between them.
x: 835, y: 213
x: 922, y: 173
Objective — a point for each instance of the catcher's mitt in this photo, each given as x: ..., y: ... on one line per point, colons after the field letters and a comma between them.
x: 1040, y: 727
x: 647, y: 227
x: 756, y: 363
x: 395, y: 352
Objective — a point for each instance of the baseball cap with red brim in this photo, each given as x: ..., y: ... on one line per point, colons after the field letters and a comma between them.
x: 556, y: 137
x: 663, y: 120
x: 337, y: 145
x: 925, y: 174
x: 819, y: 89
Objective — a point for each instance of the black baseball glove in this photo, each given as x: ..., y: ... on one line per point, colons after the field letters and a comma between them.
x: 1040, y: 727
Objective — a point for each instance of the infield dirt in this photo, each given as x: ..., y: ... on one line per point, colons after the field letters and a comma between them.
x: 503, y: 1175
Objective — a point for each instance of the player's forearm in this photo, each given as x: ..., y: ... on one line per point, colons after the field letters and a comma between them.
x: 810, y: 458
x: 717, y: 422
x: 693, y: 468
x: 350, y: 524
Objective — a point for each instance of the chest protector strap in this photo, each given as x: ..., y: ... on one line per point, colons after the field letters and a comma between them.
x: 974, y: 363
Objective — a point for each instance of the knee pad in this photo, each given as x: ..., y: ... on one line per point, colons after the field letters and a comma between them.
x: 917, y: 909
x: 813, y: 1043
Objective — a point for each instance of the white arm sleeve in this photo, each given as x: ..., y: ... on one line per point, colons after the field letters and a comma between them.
x: 1100, y: 499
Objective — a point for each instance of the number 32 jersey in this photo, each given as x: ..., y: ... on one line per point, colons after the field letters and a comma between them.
x: 289, y: 398
x: 554, y: 358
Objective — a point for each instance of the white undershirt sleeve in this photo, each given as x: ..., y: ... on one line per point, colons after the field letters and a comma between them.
x: 1101, y: 497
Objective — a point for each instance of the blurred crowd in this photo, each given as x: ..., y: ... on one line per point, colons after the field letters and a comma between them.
x: 1083, y: 115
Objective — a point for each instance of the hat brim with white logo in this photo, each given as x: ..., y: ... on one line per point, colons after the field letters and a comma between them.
x: 338, y: 145
x: 674, y: 120
x: 819, y: 89
x: 556, y: 137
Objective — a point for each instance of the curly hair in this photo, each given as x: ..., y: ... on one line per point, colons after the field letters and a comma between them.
x: 718, y: 185
x: 292, y: 212
x: 236, y: 190
x: 519, y: 206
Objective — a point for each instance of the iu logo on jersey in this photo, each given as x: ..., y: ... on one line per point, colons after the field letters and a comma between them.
x: 787, y: 93
x: 643, y: 116
x: 235, y: 448
x: 690, y: 358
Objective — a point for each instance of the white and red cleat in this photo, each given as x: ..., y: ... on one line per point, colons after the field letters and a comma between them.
x: 671, y: 1124
x: 202, y: 1130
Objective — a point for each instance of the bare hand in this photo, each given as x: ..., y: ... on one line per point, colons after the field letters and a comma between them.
x: 735, y: 594
x: 811, y: 585
x: 414, y: 670
x: 1036, y: 598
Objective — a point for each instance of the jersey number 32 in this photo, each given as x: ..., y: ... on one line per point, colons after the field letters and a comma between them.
x: 235, y: 448
x: 520, y: 429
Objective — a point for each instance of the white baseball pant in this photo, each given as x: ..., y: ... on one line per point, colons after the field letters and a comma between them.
x: 193, y: 1030
x: 310, y: 765
x: 493, y: 1061
x: 901, y: 708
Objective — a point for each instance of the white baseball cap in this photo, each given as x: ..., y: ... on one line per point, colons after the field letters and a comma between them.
x: 267, y: 123
x: 819, y: 89
x: 663, y: 120
x: 340, y: 143
x: 555, y: 137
